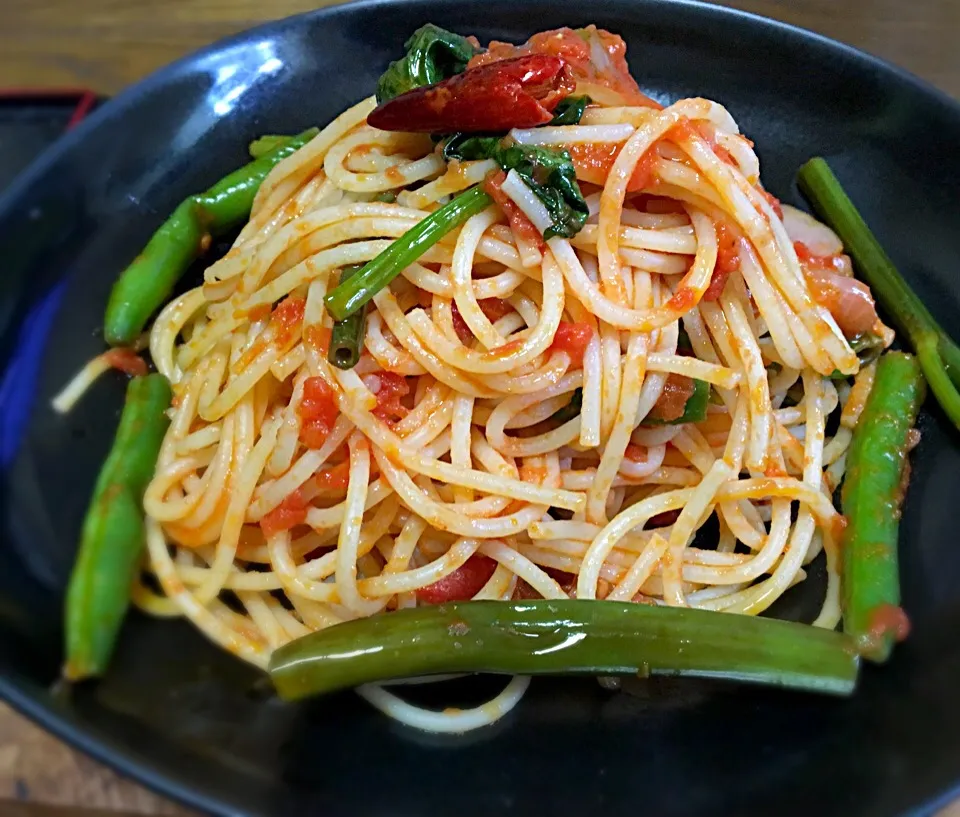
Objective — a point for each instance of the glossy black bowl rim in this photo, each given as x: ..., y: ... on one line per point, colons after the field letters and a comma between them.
x: 100, y: 746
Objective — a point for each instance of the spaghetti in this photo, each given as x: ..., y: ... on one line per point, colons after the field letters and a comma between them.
x: 291, y: 495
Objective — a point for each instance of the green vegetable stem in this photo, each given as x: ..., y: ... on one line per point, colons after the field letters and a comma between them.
x: 562, y: 638
x: 871, y: 495
x: 112, y: 539
x: 346, y: 340
x: 147, y: 283
x: 351, y: 295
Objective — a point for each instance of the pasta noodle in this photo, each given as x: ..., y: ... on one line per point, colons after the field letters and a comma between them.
x: 291, y: 495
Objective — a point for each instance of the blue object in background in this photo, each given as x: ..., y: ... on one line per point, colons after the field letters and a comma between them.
x: 19, y: 384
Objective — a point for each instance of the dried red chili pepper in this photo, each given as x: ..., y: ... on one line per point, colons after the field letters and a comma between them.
x: 514, y: 93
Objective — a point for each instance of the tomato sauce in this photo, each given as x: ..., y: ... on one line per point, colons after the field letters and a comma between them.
x: 461, y: 585
x: 572, y: 338
x: 683, y: 299
x: 848, y: 300
x: 592, y: 163
x: 460, y: 325
x: 522, y: 227
x: 888, y: 620
x: 492, y: 308
x: 256, y: 313
x: 318, y: 412
x: 728, y: 261
x: 495, y: 308
x: 288, y: 514
x: 595, y: 56
x: 774, y: 203
x: 524, y: 592
x: 126, y: 361
x: 519, y: 92
x: 334, y: 479
x: 318, y: 338
x: 506, y: 350
x: 393, y: 387
x: 673, y: 400
x: 724, y: 155
x: 286, y: 320
x: 314, y: 433
x: 810, y: 260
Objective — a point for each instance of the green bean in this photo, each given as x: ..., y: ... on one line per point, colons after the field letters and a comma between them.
x: 228, y: 203
x: 562, y: 638
x: 352, y: 294
x: 939, y: 355
x: 871, y: 496
x: 112, y: 539
x: 264, y: 144
x: 148, y: 281
x: 346, y: 340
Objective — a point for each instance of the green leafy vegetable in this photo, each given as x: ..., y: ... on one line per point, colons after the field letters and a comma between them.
x: 571, y: 410
x: 474, y: 147
x: 548, y: 173
x: 569, y: 111
x: 552, y: 178
x: 694, y: 411
x: 468, y: 147
x: 868, y: 348
x: 433, y: 54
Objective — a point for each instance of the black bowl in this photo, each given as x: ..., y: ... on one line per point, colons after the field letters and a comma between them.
x: 193, y: 722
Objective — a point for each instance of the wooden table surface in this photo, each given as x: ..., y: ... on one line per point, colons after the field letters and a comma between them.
x: 107, y: 44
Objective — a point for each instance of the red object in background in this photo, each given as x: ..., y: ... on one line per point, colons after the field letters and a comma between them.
x: 84, y: 105
x: 82, y: 99
x: 32, y: 119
